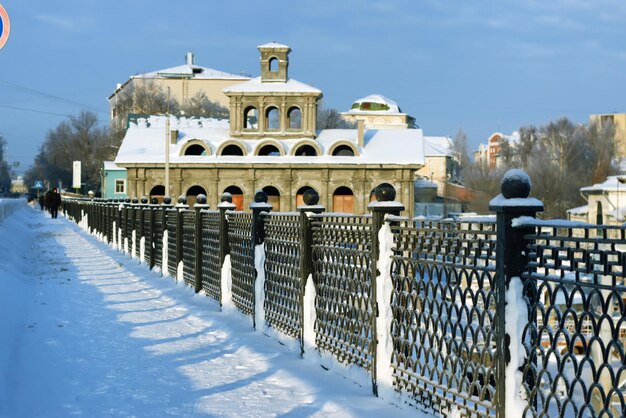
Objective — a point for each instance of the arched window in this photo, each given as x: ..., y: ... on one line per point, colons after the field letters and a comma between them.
x: 192, y: 192
x: 599, y: 217
x: 158, y: 192
x: 273, y: 197
x: 232, y: 149
x: 272, y: 64
x: 305, y: 151
x: 272, y: 118
x: 343, y: 151
x: 195, y: 149
x: 269, y: 150
x: 300, y: 195
x: 250, y: 118
x: 294, y: 117
x: 343, y: 200
x: 237, y: 195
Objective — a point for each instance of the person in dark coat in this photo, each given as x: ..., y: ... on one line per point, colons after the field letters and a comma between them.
x: 53, y: 202
x: 41, y: 201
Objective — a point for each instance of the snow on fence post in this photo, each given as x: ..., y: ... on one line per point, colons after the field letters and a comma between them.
x: 133, y: 234
x: 142, y: 227
x: 259, y: 206
x: 512, y: 295
x: 381, y: 287
x: 180, y: 208
x: 152, y: 209
x: 226, y: 204
x: 307, y: 300
x: 198, y: 206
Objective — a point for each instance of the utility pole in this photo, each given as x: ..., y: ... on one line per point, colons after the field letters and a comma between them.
x: 167, y: 145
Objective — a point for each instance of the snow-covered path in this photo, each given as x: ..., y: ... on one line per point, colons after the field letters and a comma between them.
x: 88, y: 331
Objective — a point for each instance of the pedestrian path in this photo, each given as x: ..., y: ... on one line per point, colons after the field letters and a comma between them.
x: 94, y: 333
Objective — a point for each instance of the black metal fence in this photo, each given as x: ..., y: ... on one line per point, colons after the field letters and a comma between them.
x: 508, y: 316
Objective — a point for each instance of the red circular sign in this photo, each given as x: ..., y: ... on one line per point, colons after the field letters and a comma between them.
x: 5, y: 26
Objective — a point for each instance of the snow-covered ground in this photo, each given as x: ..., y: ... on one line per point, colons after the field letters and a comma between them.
x: 88, y: 331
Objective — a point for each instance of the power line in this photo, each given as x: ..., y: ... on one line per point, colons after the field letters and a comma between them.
x: 23, y: 109
x: 50, y: 96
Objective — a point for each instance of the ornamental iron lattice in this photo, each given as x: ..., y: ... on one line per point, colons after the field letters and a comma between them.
x: 283, y: 284
x: 342, y: 274
x: 211, y: 263
x: 242, y: 260
x: 443, y: 312
x: 157, y: 236
x: 189, y: 249
x: 171, y: 223
x: 575, y: 339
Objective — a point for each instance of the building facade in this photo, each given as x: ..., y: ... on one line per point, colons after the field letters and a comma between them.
x: 114, y: 181
x: 270, y: 143
x: 183, y: 81
x: 606, y: 203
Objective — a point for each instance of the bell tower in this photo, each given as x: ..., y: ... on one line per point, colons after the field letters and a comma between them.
x: 274, y: 62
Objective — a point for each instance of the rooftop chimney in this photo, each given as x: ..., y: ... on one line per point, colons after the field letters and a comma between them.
x: 173, y: 136
x: 189, y: 58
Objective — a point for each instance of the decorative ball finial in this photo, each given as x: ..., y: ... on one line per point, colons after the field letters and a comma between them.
x: 310, y: 197
x: 144, y: 200
x: 515, y: 184
x: 135, y: 200
x: 385, y: 192
x: 127, y: 200
x: 154, y: 201
x: 182, y: 199
x: 167, y: 200
x: 226, y: 197
x: 260, y: 196
x: 201, y: 199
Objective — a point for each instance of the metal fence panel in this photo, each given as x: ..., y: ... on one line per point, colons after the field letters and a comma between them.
x: 189, y: 247
x: 444, y: 307
x: 211, y: 266
x: 283, y: 283
x: 171, y: 223
x: 242, y: 260
x: 158, y: 239
x: 576, y: 337
x: 342, y: 273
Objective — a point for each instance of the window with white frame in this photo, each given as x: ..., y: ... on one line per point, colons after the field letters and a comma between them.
x: 120, y: 186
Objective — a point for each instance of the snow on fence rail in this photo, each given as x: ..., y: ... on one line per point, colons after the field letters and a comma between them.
x: 8, y: 206
x: 461, y: 317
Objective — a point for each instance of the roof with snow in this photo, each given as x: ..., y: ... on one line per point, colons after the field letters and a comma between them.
x: 273, y: 45
x: 191, y: 71
x: 610, y: 184
x: 111, y: 166
x: 581, y: 210
x: 438, y: 146
x: 368, y: 104
x: 144, y: 144
x: 255, y: 85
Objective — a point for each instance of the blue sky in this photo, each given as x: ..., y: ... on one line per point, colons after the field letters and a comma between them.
x: 481, y: 66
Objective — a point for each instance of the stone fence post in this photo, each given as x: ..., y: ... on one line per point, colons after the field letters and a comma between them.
x: 200, y: 204
x: 511, y: 309
x: 381, y: 327
x: 226, y: 204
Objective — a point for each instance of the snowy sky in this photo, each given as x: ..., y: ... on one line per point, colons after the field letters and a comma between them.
x: 95, y: 333
x: 482, y: 66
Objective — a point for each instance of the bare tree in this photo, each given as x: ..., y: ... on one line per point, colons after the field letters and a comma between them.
x: 329, y: 118
x: 460, y: 149
x: 199, y: 105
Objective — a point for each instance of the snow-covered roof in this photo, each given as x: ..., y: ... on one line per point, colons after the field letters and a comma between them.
x: 192, y: 71
x: 255, y: 85
x: 438, y: 146
x: 610, y: 184
x: 273, y: 45
x: 393, y: 107
x: 144, y: 143
x: 425, y: 184
x: 111, y: 166
x: 581, y: 210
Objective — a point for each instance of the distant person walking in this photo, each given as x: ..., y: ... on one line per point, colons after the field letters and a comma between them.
x: 53, y: 202
x: 41, y: 201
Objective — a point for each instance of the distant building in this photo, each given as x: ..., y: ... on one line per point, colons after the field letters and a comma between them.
x: 184, y: 82
x: 114, y: 181
x: 378, y: 112
x: 606, y: 203
x: 270, y: 143
x: 618, y: 120
x: 18, y: 186
x: 491, y: 154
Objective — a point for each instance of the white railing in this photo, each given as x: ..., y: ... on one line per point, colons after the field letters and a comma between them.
x: 8, y: 206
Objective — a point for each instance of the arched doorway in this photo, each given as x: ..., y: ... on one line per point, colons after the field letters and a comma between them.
x: 193, y: 192
x: 343, y: 200
x: 237, y: 195
x: 158, y: 192
x: 273, y: 197
x: 300, y: 195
